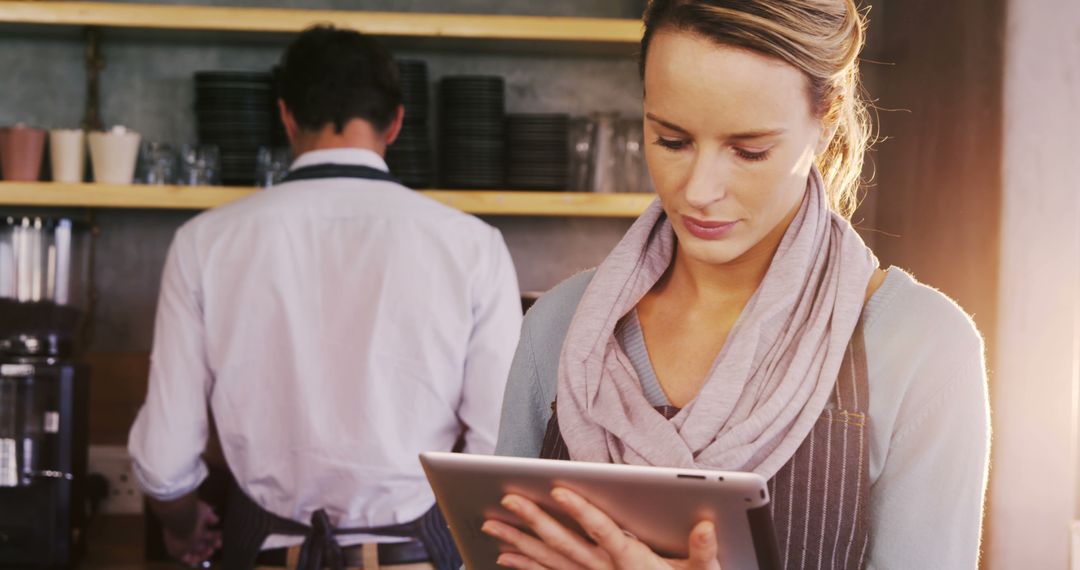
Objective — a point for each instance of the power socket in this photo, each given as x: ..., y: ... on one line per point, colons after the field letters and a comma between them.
x: 114, y: 463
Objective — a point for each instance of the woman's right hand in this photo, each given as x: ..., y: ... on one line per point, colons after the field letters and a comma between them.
x: 558, y: 548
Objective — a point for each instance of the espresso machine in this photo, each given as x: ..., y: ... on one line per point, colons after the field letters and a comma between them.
x: 44, y: 390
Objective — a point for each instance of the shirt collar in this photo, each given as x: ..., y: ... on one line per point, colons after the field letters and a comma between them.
x: 359, y: 156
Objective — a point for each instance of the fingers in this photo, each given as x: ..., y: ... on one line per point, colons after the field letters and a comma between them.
x: 704, y: 549
x: 211, y: 541
x: 554, y: 534
x: 519, y: 561
x: 198, y: 548
x: 526, y: 547
x: 206, y: 514
x: 608, y: 535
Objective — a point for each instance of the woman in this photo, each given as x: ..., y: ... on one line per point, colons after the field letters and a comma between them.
x: 741, y: 323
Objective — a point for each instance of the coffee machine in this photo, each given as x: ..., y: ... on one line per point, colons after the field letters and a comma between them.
x: 44, y: 390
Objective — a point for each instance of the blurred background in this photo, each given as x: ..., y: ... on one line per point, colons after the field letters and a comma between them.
x: 974, y: 188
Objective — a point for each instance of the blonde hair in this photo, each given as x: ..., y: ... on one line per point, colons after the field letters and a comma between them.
x: 821, y: 38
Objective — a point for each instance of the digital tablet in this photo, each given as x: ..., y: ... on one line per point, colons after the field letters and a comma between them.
x: 657, y: 505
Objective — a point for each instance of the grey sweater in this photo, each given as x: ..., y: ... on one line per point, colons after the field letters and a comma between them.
x: 929, y: 414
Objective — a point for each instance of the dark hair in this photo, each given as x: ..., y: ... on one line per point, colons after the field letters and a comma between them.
x: 329, y: 75
x: 820, y: 38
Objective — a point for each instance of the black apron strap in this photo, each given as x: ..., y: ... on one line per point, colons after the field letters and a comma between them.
x: 330, y: 170
x: 247, y: 525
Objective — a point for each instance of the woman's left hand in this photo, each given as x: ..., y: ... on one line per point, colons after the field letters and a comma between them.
x: 559, y: 548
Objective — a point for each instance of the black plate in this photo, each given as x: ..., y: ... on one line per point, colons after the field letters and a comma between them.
x: 473, y: 81
x: 466, y: 132
x: 473, y: 105
x: 452, y: 98
x: 451, y: 122
x: 229, y: 75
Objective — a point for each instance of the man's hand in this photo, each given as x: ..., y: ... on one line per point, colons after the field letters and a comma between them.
x: 201, y: 543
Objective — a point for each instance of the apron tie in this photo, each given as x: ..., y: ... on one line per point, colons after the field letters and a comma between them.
x: 320, y: 549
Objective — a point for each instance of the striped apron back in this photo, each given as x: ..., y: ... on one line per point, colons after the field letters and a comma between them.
x: 820, y: 497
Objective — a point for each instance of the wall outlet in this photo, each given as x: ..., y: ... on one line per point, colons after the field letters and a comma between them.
x: 114, y: 463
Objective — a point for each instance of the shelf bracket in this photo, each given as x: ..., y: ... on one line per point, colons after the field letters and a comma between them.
x: 95, y: 62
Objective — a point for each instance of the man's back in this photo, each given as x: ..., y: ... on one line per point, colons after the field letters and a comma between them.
x: 345, y: 325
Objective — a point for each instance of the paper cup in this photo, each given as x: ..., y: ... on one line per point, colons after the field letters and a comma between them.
x: 67, y: 154
x: 114, y: 154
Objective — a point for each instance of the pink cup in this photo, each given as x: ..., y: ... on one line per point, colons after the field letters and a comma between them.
x: 21, y: 151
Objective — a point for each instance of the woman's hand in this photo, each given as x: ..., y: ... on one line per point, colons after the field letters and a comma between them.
x: 559, y: 548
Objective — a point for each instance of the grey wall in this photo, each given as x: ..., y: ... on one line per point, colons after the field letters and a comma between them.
x: 147, y: 86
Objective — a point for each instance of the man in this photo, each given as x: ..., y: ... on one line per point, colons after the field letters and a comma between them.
x: 336, y: 325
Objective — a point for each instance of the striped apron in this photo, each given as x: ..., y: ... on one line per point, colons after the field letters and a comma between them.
x: 820, y: 497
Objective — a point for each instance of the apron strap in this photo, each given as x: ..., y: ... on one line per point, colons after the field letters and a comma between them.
x: 853, y: 384
x: 320, y: 548
x: 331, y: 170
x: 247, y: 525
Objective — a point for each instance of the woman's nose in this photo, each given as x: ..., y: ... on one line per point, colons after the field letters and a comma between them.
x: 707, y: 182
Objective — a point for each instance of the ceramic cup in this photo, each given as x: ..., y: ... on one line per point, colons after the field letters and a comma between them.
x: 67, y: 154
x: 21, y: 151
x: 114, y: 154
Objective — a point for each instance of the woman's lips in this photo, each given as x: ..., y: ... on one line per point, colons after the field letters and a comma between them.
x: 703, y: 229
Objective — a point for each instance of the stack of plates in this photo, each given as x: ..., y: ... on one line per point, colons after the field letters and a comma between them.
x: 234, y: 111
x: 472, y: 135
x: 537, y: 151
x: 409, y: 157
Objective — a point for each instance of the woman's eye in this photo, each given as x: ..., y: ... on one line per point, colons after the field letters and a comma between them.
x: 752, y: 156
x: 671, y: 144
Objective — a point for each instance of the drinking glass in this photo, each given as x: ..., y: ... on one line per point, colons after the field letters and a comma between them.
x: 604, y: 152
x: 199, y: 165
x: 271, y: 165
x: 582, y: 131
x: 158, y: 164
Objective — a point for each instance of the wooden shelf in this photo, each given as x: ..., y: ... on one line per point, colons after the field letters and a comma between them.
x: 621, y: 34
x: 485, y: 202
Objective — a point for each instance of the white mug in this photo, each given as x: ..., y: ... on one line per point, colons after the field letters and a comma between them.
x: 114, y: 154
x: 67, y: 154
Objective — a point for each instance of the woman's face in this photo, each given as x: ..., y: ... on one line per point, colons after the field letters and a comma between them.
x: 730, y: 142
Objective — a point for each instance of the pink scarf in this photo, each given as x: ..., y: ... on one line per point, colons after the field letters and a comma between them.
x: 768, y: 385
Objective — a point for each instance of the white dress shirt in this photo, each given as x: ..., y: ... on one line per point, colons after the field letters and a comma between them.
x: 337, y: 328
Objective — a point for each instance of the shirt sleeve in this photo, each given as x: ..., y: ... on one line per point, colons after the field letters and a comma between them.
x: 926, y: 506
x: 170, y: 432
x: 497, y: 323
